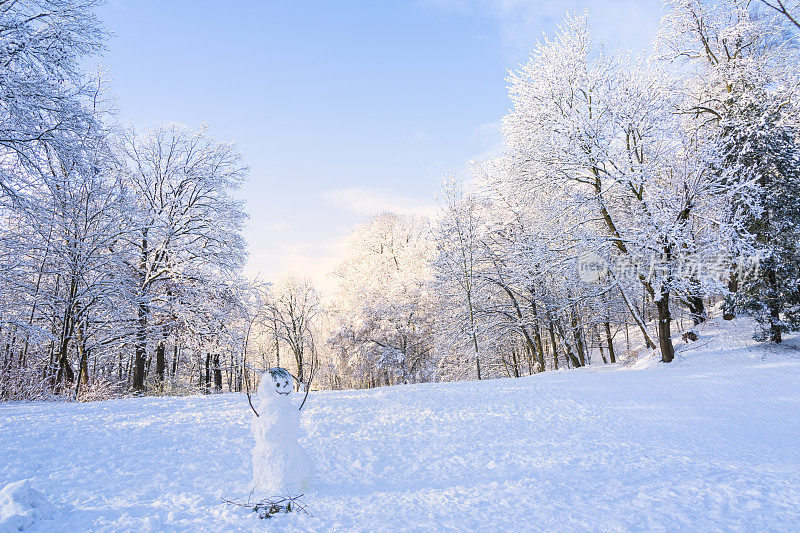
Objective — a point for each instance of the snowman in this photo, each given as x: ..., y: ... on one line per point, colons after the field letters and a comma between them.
x: 280, y: 465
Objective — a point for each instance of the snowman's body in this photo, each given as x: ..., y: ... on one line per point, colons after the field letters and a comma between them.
x: 280, y: 465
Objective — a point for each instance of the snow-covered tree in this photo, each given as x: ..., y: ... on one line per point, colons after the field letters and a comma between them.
x: 383, y: 301
x: 42, y: 89
x: 294, y: 305
x: 741, y: 95
x: 602, y: 134
x: 457, y: 281
x: 185, y: 223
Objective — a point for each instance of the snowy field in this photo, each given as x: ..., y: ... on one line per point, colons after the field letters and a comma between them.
x: 708, y: 443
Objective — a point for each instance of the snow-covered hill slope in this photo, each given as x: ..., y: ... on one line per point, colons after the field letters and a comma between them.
x: 710, y: 442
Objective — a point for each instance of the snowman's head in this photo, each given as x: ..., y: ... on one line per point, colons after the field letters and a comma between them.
x: 275, y: 382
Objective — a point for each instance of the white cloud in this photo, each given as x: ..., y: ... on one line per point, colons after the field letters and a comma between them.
x: 317, y: 260
x: 277, y: 226
x: 281, y: 247
x: 627, y: 24
x: 368, y: 202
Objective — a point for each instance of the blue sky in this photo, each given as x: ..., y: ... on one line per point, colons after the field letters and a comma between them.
x: 340, y: 108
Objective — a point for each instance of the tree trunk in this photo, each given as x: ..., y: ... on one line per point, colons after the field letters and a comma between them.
x: 175, y: 358
x: 217, y: 374
x: 728, y: 312
x: 515, y: 362
x: 539, y: 347
x: 277, y: 344
x: 83, y: 363
x: 298, y: 356
x: 553, y: 343
x: 529, y: 358
x: 772, y: 303
x: 600, y: 345
x: 505, y: 365
x: 477, y: 354
x: 610, y: 342
x: 207, y: 380
x: 161, y: 361
x: 697, y: 309
x: 576, y: 334
x: 141, y: 349
x: 65, y: 371
x: 474, y: 334
x: 664, y: 334
x: 572, y: 360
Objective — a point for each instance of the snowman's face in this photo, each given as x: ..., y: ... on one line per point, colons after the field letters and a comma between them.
x: 283, y: 381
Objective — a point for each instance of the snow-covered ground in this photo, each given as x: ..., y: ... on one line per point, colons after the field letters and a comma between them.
x: 708, y: 443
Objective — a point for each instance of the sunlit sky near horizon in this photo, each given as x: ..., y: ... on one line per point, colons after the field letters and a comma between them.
x: 340, y: 109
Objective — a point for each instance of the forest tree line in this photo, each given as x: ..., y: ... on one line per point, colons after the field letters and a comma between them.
x: 633, y: 197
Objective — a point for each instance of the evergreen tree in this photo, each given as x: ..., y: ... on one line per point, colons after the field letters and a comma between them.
x: 761, y: 170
